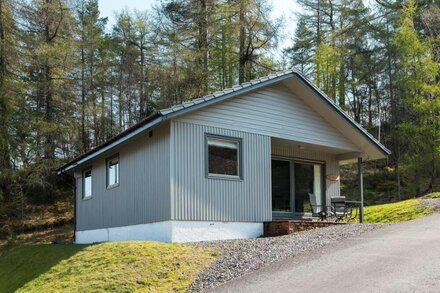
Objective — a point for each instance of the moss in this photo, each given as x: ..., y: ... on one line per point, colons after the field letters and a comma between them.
x: 432, y: 195
x: 117, y: 267
x: 396, y: 212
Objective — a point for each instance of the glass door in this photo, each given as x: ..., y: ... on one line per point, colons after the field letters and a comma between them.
x: 297, y: 188
x: 281, y: 196
x: 308, y: 188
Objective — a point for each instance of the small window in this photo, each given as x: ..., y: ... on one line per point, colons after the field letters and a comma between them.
x: 113, y: 172
x: 223, y: 157
x: 87, y: 186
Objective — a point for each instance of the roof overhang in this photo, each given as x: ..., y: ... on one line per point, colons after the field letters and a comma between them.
x: 148, y: 123
x: 370, y: 148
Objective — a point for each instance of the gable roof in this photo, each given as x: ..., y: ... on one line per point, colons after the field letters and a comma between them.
x: 165, y: 114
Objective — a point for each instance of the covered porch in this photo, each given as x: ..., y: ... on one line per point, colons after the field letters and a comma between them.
x: 305, y: 178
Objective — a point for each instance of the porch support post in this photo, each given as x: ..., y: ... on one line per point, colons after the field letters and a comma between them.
x: 361, y: 190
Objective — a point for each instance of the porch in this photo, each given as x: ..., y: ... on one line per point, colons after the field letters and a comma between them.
x: 305, y: 177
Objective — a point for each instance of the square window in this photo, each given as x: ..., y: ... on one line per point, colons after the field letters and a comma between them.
x: 113, y: 172
x: 223, y: 155
x: 87, y: 184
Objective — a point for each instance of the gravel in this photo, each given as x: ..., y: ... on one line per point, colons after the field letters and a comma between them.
x: 239, y: 257
x: 431, y: 202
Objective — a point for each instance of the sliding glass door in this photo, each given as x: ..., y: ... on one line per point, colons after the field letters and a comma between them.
x: 308, y: 187
x: 297, y: 187
x: 281, y: 196
x: 304, y: 179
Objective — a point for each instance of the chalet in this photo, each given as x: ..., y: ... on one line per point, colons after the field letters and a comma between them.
x: 219, y: 166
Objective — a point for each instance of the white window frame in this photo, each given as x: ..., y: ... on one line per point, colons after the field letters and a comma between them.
x: 118, y: 171
x: 238, y: 142
x: 84, y: 196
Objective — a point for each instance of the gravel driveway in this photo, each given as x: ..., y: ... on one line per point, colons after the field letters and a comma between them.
x: 400, y: 258
x: 243, y: 256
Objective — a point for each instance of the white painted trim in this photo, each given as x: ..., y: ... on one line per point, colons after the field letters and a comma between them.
x: 192, y: 231
x: 173, y: 231
x: 160, y: 231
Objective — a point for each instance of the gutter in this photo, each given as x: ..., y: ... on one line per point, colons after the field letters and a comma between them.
x: 150, y: 121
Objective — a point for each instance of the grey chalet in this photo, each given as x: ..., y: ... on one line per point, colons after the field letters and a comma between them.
x: 219, y: 166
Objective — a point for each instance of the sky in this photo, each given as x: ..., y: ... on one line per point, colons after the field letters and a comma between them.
x: 284, y: 8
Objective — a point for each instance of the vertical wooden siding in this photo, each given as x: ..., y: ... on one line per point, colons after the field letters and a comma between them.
x: 143, y: 194
x: 197, y: 198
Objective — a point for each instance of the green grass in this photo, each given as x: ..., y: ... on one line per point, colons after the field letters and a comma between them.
x: 396, y: 212
x: 433, y: 195
x: 117, y: 267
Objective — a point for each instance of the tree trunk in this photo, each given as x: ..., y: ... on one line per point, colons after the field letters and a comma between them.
x: 83, y: 102
x: 142, y: 84
x: 49, y: 140
x: 394, y: 114
x: 4, y: 112
x: 242, y: 40
x: 223, y: 58
x: 203, y: 45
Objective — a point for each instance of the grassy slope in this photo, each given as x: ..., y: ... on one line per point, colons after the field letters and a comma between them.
x: 41, y: 223
x: 63, y: 234
x: 117, y: 267
x: 396, y: 212
x: 433, y: 195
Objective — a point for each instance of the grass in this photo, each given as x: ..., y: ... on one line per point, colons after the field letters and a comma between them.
x: 63, y: 234
x: 36, y: 219
x: 433, y: 195
x: 396, y: 212
x: 115, y: 266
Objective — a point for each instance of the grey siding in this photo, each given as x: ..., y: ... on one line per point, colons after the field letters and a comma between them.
x: 195, y: 197
x: 273, y: 111
x: 143, y: 194
x: 331, y: 164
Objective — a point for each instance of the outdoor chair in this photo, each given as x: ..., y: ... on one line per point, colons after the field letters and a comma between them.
x: 339, y: 208
x: 317, y: 210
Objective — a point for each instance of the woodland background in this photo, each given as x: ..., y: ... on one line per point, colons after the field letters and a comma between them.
x: 69, y: 83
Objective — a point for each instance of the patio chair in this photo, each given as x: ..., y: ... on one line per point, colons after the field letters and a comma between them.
x: 339, y: 208
x: 317, y: 210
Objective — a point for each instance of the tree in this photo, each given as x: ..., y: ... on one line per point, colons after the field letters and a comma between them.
x: 418, y: 72
x: 7, y: 47
x: 257, y: 32
x: 49, y: 93
x: 301, y: 54
x: 90, y: 29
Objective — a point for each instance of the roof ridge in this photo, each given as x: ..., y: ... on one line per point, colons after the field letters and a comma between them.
x: 225, y: 91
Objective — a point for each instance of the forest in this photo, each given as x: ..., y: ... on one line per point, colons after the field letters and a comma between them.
x: 69, y: 81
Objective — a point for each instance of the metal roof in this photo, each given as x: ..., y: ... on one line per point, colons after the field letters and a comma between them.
x: 235, y: 89
x: 168, y: 113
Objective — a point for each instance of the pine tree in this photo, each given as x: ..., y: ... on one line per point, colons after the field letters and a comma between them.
x: 418, y: 72
x: 301, y: 54
x: 257, y: 32
x: 50, y: 97
x: 90, y: 39
x: 7, y: 47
